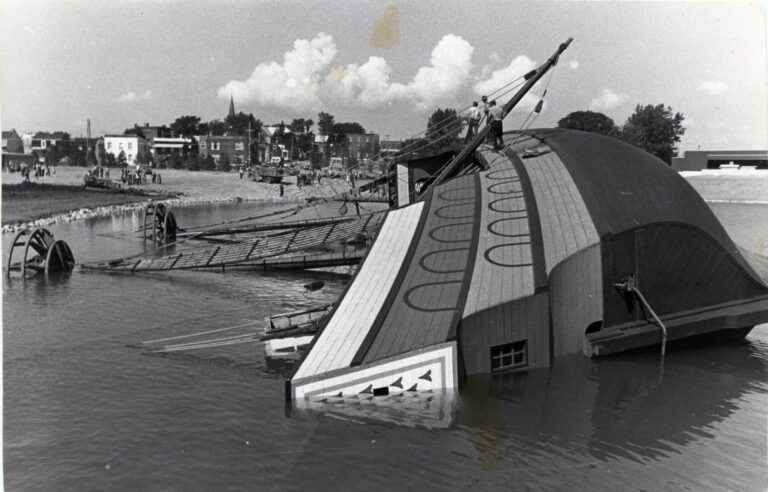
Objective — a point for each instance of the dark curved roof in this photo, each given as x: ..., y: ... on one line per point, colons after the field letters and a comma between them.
x: 625, y: 187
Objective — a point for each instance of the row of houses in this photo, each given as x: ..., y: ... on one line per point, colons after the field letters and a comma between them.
x: 160, y: 142
x: 27, y: 143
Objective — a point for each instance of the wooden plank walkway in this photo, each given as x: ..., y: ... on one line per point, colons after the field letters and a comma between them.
x: 250, y: 249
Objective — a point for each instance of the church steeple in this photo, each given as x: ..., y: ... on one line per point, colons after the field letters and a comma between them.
x: 231, y: 107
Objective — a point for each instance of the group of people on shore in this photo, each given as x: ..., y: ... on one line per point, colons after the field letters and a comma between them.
x: 37, y: 170
x: 138, y: 176
x: 493, y: 114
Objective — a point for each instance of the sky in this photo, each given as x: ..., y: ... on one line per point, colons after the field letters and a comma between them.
x: 384, y: 64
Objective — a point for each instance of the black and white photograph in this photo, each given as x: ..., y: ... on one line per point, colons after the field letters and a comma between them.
x: 384, y: 245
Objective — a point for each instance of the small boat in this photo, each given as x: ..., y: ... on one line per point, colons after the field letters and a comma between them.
x: 287, y: 348
x: 286, y: 334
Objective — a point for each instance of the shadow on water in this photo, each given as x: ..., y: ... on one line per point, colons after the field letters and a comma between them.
x: 617, y: 407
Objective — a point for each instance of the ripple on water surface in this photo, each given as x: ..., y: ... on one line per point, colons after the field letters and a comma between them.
x: 86, y: 409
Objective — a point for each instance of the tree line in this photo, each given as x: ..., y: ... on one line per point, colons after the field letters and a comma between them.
x: 653, y: 128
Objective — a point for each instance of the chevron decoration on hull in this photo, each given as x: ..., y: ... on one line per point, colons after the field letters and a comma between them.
x: 433, y: 368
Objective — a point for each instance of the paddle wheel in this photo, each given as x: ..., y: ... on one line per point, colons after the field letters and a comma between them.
x: 159, y: 224
x: 41, y: 253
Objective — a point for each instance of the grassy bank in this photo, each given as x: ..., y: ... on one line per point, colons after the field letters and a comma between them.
x: 26, y: 202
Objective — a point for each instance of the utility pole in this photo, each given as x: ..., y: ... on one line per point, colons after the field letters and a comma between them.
x: 249, y: 143
x: 88, y: 148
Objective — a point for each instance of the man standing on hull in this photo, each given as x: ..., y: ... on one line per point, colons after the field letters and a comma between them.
x: 495, y: 117
x: 473, y: 121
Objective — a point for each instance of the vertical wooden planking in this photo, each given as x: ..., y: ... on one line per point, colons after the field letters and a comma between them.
x: 576, y: 289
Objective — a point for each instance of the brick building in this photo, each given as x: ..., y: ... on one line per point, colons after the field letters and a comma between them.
x: 219, y: 147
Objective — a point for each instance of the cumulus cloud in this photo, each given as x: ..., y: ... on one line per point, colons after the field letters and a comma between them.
x: 573, y: 64
x: 294, y: 83
x: 607, y: 100
x: 449, y: 68
x: 131, y: 96
x: 713, y: 87
x: 519, y: 66
x: 307, y: 77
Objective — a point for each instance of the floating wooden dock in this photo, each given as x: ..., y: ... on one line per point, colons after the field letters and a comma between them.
x: 256, y: 249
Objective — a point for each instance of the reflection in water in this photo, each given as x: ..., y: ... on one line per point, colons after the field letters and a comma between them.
x: 583, y: 425
x: 616, y: 408
x: 428, y: 409
x: 78, y: 397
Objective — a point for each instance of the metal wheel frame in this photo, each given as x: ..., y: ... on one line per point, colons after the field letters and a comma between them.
x: 42, y: 243
x: 66, y: 261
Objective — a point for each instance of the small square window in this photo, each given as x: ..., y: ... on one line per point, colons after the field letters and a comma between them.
x: 509, y: 356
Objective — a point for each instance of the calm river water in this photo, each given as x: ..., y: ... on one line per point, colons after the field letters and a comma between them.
x: 84, y: 409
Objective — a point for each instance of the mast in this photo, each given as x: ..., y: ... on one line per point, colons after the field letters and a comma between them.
x: 531, y: 78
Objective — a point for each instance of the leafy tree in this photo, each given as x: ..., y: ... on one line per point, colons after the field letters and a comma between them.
x: 304, y: 143
x: 136, y: 130
x: 186, y: 126
x: 121, y: 160
x: 143, y: 156
x: 238, y: 124
x: 443, y: 128
x: 298, y: 125
x: 348, y: 127
x: 111, y: 162
x: 655, y: 129
x: 590, y: 121
x: 224, y: 163
x: 325, y: 123
x: 308, y: 125
x: 214, y: 127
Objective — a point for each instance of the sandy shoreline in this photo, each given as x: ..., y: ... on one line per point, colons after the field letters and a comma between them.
x: 208, y: 188
x: 191, y: 188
